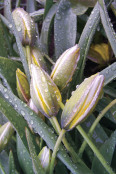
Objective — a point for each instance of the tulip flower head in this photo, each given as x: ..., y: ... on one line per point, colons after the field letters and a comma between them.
x: 82, y: 101
x: 25, y: 26
x: 65, y: 66
x: 44, y: 93
x: 22, y: 86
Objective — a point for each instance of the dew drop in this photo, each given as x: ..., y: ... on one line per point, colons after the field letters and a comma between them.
x: 6, y: 96
x: 32, y: 122
x: 43, y: 79
x: 10, y: 25
x: 46, y: 90
x: 22, y: 113
x: 58, y: 16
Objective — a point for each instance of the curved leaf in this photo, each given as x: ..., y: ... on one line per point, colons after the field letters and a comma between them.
x: 109, y: 73
x: 4, y: 162
x: 37, y: 15
x: 65, y: 28
x: 46, y: 28
x: 107, y: 151
x: 87, y: 36
x: 43, y: 130
x: 8, y: 69
x: 48, y: 5
x: 11, y: 164
x: 35, y: 160
x: 108, y: 26
x: 24, y: 157
x: 2, y: 169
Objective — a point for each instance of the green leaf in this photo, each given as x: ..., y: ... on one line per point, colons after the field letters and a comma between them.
x: 2, y: 169
x: 35, y: 160
x: 4, y: 162
x: 37, y: 15
x: 24, y: 157
x: 109, y: 73
x: 65, y: 28
x: 46, y: 28
x: 48, y: 5
x: 107, y: 151
x: 86, y: 39
x: 108, y: 26
x: 11, y: 164
x: 8, y: 69
x: 42, y: 129
x: 3, y: 45
x: 109, y: 115
x: 98, y: 137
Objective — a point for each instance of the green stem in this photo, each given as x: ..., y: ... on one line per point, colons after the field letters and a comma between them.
x: 57, y: 128
x: 95, y: 150
x: 28, y: 56
x: 83, y: 146
x: 56, y: 147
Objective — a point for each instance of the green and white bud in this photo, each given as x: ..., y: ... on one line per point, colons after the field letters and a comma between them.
x: 82, y: 101
x: 65, y: 66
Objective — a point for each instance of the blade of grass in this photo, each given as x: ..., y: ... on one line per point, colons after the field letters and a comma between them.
x: 108, y: 26
x: 35, y: 160
x: 11, y: 164
x: 109, y: 73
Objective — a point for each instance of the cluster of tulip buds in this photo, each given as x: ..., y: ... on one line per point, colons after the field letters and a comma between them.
x: 43, y: 94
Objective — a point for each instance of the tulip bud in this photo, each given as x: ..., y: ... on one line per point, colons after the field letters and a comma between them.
x: 37, y: 58
x: 22, y: 86
x: 82, y: 101
x: 25, y: 26
x: 6, y: 132
x: 44, y: 93
x: 44, y: 157
x: 65, y: 66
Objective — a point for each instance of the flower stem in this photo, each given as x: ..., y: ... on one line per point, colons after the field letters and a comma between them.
x: 57, y: 128
x: 28, y: 57
x: 83, y: 146
x: 55, y: 150
x: 95, y: 150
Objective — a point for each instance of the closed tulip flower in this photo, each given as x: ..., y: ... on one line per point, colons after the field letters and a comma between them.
x: 82, y: 101
x: 23, y: 88
x: 44, y: 157
x: 25, y: 26
x: 65, y: 66
x: 44, y: 93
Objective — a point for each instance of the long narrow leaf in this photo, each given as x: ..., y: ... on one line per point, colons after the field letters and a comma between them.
x: 11, y: 164
x: 46, y: 28
x: 24, y: 157
x: 109, y: 73
x: 87, y: 36
x: 35, y: 160
x: 65, y: 28
x: 107, y: 25
x: 107, y: 151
